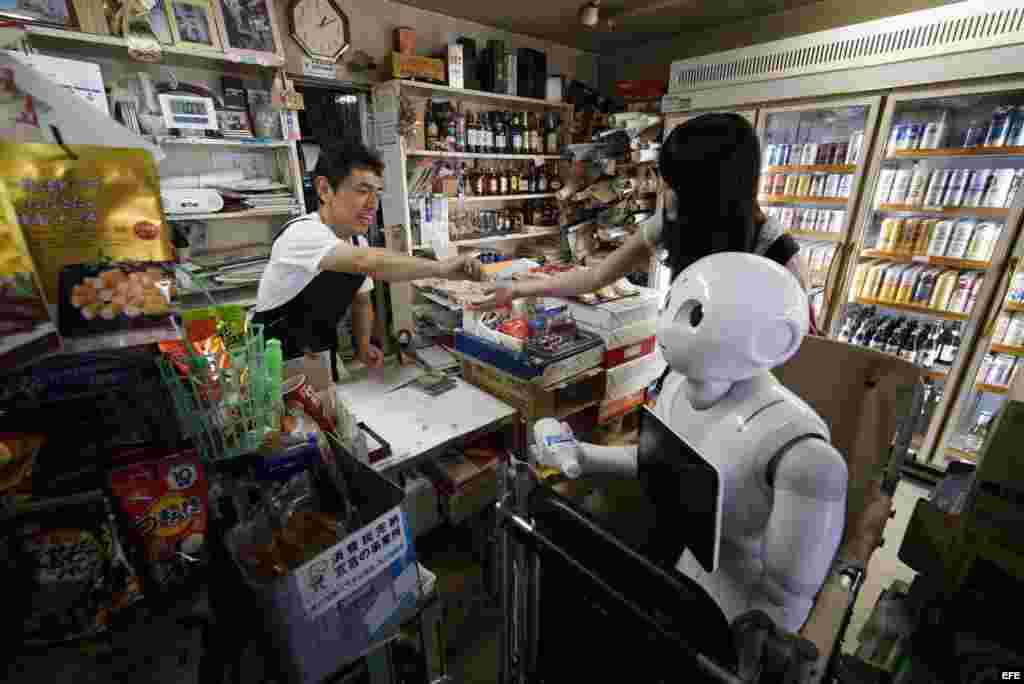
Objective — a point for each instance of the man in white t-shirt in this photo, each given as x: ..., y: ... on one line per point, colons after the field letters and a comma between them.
x: 320, y: 264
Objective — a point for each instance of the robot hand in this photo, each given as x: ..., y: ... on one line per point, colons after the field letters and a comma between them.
x: 556, y: 446
x: 770, y: 655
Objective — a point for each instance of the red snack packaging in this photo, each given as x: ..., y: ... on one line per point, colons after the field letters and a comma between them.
x: 167, y: 504
x: 297, y: 389
x: 516, y: 327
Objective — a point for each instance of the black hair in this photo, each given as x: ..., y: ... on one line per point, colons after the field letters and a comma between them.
x: 338, y: 160
x: 712, y: 162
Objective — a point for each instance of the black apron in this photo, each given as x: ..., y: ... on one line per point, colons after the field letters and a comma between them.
x: 309, y: 321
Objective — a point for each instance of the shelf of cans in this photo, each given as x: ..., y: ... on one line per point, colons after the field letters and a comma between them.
x: 808, y: 219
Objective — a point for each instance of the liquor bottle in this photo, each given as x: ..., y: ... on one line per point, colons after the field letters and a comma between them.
x: 492, y: 182
x: 462, y: 181
x: 430, y: 127
x: 500, y: 134
x: 513, y: 182
x: 881, y: 336
x: 503, y: 182
x: 550, y: 134
x: 542, y: 180
x: 478, y: 182
x: 471, y: 144
x: 894, y: 337
x: 524, y: 179
x: 517, y: 135
x: 555, y: 180
x: 928, y: 350
x: 908, y: 346
x: 949, y: 345
x: 450, y: 140
x: 536, y: 138
x: 864, y: 331
x: 849, y: 327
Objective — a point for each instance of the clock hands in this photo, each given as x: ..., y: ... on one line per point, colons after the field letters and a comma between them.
x: 325, y: 21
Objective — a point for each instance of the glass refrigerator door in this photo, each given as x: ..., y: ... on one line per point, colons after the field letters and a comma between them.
x: 813, y: 157
x: 934, y: 241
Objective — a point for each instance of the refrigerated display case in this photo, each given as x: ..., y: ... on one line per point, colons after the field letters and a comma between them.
x: 933, y: 244
x: 813, y: 161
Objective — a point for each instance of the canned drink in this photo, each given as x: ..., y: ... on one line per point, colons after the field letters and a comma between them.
x: 1014, y: 186
x: 889, y: 235
x: 1015, y: 331
x: 903, y: 137
x: 913, y: 137
x: 792, y: 182
x: 975, y: 134
x: 1002, y: 323
x: 939, y: 241
x: 810, y: 153
x: 999, y: 373
x: 803, y: 187
x: 796, y: 153
x: 787, y: 218
x: 924, y: 237
x: 779, y: 184
x: 999, y: 129
x: 784, y: 151
x: 895, y: 139
x: 845, y: 185
x: 770, y: 153
x: 818, y: 186
x: 999, y: 188
x: 983, y: 242
x: 901, y: 186
x: 837, y: 221
x: 810, y: 219
x: 911, y: 229
x: 853, y: 151
x: 918, y: 185
x: 1017, y: 130
x: 831, y: 185
x: 937, y: 188
x: 956, y: 188
x: 840, y: 152
x: 976, y: 187
x: 961, y: 236
x: 766, y: 184
x: 885, y: 181
x: 1016, y: 292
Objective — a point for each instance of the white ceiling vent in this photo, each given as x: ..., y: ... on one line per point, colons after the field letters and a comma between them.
x: 957, y: 28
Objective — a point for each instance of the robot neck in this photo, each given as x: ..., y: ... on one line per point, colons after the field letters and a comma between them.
x: 703, y: 394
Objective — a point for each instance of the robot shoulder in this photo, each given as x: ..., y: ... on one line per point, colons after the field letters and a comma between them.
x: 813, y: 468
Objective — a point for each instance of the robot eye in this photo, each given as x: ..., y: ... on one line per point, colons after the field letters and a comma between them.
x: 696, y: 315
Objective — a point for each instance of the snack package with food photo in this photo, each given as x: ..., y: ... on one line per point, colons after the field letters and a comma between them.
x: 17, y: 462
x: 166, y: 503
x: 65, y: 572
x: 104, y: 297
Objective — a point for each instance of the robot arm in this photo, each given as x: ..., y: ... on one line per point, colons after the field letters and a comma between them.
x: 803, y: 532
x: 557, y: 447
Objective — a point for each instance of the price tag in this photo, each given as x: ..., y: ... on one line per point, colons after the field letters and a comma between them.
x: 319, y: 69
x: 294, y: 101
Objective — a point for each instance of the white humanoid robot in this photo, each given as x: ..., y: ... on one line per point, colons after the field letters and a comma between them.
x: 729, y: 319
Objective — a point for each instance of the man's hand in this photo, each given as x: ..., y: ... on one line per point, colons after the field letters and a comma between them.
x: 501, y: 298
x: 370, y: 355
x: 465, y: 267
x: 864, y: 533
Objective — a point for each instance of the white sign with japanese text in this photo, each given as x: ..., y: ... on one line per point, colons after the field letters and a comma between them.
x: 350, y: 564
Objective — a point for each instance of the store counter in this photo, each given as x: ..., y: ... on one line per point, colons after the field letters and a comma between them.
x: 417, y: 426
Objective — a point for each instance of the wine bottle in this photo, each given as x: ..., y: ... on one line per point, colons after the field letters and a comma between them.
x: 517, y: 135
x: 524, y: 180
x: 849, y: 327
x: 950, y: 345
x: 513, y: 182
x: 430, y: 127
x: 929, y: 351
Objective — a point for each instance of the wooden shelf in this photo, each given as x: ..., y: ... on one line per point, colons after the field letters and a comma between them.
x: 948, y: 315
x: 973, y: 212
x: 117, y: 47
x: 930, y: 260
x: 509, y: 237
x: 936, y: 374
x: 463, y: 92
x: 473, y: 155
x: 1013, y: 306
x: 1008, y: 349
x: 498, y: 198
x: 812, y: 235
x: 788, y: 199
x: 959, y: 152
x: 222, y: 142
x: 228, y: 215
x: 812, y: 168
x: 992, y: 389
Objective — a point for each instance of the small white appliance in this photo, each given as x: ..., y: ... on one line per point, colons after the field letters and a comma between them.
x: 191, y: 201
x: 189, y: 112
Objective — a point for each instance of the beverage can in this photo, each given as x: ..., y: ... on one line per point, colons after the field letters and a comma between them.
x: 296, y: 388
x: 1002, y: 323
x: 771, y: 152
x: 818, y: 186
x: 886, y: 178
x: 976, y: 187
x: 956, y: 188
x: 908, y: 235
x: 999, y: 188
x: 824, y: 153
x: 983, y: 242
x: 810, y: 153
x: 934, y: 132
x: 937, y: 188
x: 903, y: 137
x: 907, y: 282
x: 821, y: 221
x: 807, y: 219
x: 963, y: 231
x: 999, y: 129
x: 944, y: 286
x: 792, y: 182
x: 787, y: 218
x: 859, y: 276
x: 913, y: 136
x: 972, y: 299
x: 1015, y: 331
x: 901, y: 186
x: 766, y: 184
x: 1016, y: 291
x: 923, y: 237
x: 1016, y: 137
x: 918, y: 185
x: 986, y: 366
x: 845, y: 185
x: 891, y: 145
x: 803, y: 187
x: 940, y: 238
x: 889, y: 234
x: 840, y: 152
x: 891, y: 284
x: 779, y: 184
x: 831, y: 185
x: 924, y: 287
x: 853, y: 151
x: 975, y: 134
x: 784, y: 151
x: 837, y: 221
x: 873, y: 280
x: 962, y: 292
x: 1014, y: 186
x: 999, y: 373
x: 796, y: 154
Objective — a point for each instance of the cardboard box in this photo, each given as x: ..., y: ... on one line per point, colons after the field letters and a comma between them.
x: 522, y: 366
x: 628, y: 343
x: 619, y: 314
x: 413, y: 67
x: 533, y: 400
x: 611, y: 409
x: 339, y: 605
x: 633, y: 376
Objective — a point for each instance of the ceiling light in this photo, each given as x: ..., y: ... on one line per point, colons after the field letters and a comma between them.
x: 590, y: 13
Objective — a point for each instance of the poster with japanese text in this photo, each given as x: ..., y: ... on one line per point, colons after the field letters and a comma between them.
x: 84, y: 204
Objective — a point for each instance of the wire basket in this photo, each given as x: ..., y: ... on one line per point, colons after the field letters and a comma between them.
x: 223, y: 403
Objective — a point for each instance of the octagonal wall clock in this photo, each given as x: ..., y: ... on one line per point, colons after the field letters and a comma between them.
x: 320, y: 28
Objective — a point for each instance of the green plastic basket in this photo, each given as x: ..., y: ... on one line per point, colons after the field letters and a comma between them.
x: 226, y: 412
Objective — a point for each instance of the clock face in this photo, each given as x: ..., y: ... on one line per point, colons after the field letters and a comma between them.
x: 320, y: 28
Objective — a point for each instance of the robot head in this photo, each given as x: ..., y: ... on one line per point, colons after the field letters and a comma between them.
x: 731, y: 316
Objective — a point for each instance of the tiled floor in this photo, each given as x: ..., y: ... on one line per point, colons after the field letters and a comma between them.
x: 885, y: 564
